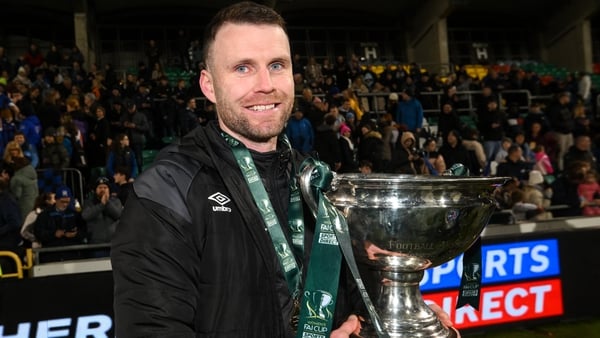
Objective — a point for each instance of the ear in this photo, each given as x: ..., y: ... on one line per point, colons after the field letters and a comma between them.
x: 207, y: 85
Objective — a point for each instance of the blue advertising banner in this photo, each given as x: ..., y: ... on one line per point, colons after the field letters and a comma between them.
x: 506, y: 262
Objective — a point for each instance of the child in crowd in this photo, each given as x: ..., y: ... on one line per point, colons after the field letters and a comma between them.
x: 503, y: 151
x: 365, y: 167
x: 542, y: 160
x: 589, y: 193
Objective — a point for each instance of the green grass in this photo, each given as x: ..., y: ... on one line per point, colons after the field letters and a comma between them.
x: 575, y: 329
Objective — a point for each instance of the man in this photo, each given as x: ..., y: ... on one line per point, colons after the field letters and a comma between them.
x: 54, y: 154
x: 410, y: 112
x: 300, y: 132
x: 188, y: 116
x: 101, y: 211
x: 370, y: 146
x: 123, y: 184
x: 204, y: 263
x: 581, y: 151
x: 136, y: 125
x: 514, y: 166
x: 492, y: 123
x: 314, y: 108
x: 60, y: 224
x: 99, y: 140
x: 562, y: 124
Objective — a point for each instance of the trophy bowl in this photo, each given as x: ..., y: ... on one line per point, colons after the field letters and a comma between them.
x: 400, y: 225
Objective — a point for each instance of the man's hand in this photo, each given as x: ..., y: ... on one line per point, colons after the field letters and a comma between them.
x: 444, y: 318
x: 71, y: 234
x: 350, y: 327
x: 59, y: 233
x: 104, y: 198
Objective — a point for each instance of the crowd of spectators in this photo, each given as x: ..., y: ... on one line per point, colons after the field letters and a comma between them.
x: 59, y: 112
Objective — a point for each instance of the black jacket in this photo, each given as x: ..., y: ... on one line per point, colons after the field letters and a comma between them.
x: 10, y: 222
x: 191, y: 257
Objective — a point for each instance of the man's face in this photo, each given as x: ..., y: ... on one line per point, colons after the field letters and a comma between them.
x: 249, y: 77
x: 447, y: 108
x: 125, y: 141
x: 20, y: 139
x: 101, y: 190
x: 62, y: 203
x: 451, y: 138
x: 334, y: 111
x: 517, y: 154
x: 583, y: 143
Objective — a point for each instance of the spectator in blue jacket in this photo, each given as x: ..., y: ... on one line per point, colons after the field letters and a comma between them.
x: 29, y: 150
x: 300, y: 132
x: 410, y: 112
x: 61, y: 224
x: 31, y: 127
x: 122, y: 156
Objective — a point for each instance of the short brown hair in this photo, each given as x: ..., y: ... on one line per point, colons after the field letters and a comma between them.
x: 240, y: 13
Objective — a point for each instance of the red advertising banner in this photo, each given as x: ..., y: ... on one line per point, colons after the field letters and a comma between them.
x: 505, y: 303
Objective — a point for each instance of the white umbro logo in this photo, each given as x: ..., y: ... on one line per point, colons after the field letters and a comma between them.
x: 222, y: 200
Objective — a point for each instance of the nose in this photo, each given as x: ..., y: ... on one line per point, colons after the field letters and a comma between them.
x: 264, y: 81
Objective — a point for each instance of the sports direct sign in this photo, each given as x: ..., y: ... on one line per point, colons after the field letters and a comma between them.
x: 520, y: 282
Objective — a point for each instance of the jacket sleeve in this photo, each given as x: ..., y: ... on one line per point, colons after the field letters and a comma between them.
x: 141, y: 124
x: 35, y: 158
x: 114, y: 208
x: 134, y: 165
x: 44, y: 227
x: 91, y: 210
x: 16, y: 188
x: 154, y: 276
x: 64, y: 157
x: 110, y: 164
x: 10, y: 218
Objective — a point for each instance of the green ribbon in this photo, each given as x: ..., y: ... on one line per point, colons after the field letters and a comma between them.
x: 330, y: 219
x: 470, y: 282
x: 469, y: 291
x: 289, y: 265
x: 317, y: 306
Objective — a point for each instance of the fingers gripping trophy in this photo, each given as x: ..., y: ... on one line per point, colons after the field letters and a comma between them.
x: 393, y: 228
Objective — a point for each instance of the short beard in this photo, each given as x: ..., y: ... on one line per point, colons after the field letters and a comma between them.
x: 241, y: 125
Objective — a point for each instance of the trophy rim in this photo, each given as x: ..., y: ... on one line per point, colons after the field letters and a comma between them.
x: 403, y: 181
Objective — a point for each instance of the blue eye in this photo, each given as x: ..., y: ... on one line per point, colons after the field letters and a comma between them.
x: 277, y: 66
x: 242, y: 69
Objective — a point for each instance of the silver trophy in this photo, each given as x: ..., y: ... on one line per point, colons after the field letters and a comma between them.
x: 400, y: 225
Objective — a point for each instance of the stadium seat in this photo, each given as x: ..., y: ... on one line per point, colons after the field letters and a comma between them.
x: 468, y: 120
x: 148, y: 156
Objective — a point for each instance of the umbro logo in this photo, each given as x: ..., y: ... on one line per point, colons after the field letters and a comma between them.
x: 222, y: 200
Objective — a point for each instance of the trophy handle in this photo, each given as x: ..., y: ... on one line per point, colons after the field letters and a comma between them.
x: 306, y: 189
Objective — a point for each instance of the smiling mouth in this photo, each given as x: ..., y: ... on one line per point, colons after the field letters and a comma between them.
x: 259, y: 108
